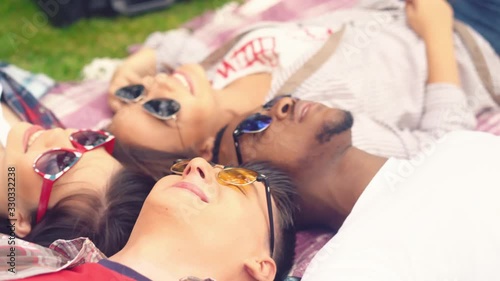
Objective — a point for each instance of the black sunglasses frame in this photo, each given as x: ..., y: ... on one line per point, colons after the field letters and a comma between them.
x: 238, y: 131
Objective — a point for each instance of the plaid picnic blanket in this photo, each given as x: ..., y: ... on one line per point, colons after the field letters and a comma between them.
x: 21, y: 91
x: 21, y: 259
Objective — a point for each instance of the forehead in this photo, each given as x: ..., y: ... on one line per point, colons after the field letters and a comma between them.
x: 133, y: 126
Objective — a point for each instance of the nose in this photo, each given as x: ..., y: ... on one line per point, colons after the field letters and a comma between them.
x: 283, y: 108
x: 199, y: 167
x: 148, y: 82
x: 57, y: 138
x: 157, y: 86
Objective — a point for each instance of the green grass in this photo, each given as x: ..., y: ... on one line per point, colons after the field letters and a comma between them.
x: 62, y: 52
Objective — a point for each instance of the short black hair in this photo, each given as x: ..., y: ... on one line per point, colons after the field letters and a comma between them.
x: 217, y: 142
x: 151, y: 162
x: 284, y: 195
x: 126, y: 195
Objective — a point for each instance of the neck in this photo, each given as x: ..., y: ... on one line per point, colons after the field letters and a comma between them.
x: 338, y: 185
x: 168, y: 258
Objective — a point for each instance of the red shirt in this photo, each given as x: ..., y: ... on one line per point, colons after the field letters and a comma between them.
x: 86, y: 272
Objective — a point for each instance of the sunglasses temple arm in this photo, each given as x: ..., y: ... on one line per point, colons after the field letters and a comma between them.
x: 179, y: 132
x: 237, y: 147
x: 43, y: 203
x: 110, y: 146
x: 263, y: 178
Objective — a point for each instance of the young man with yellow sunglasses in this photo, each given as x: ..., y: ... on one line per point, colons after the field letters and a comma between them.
x: 208, y: 221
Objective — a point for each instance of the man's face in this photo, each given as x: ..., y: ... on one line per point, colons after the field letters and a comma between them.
x: 224, y: 223
x: 302, y: 134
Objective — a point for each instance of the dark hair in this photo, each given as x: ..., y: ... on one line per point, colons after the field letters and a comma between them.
x: 107, y: 221
x: 154, y: 163
x: 283, y: 192
x: 126, y: 195
x: 68, y: 219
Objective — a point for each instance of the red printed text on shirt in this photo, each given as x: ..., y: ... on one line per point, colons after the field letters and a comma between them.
x: 260, y: 50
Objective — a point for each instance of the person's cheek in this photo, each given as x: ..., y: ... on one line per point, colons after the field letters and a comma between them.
x: 250, y: 149
x: 30, y: 181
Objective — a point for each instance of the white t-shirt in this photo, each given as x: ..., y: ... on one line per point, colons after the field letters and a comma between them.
x: 4, y: 125
x: 267, y: 49
x: 434, y: 218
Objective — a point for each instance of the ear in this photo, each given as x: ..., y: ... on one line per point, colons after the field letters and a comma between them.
x: 22, y: 224
x: 204, y: 149
x: 263, y: 269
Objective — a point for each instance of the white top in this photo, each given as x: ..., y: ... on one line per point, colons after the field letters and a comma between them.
x: 267, y: 49
x: 4, y: 125
x: 378, y: 72
x: 434, y: 218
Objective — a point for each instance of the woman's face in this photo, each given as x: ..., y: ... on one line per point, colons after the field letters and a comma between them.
x: 192, y: 124
x: 25, y: 143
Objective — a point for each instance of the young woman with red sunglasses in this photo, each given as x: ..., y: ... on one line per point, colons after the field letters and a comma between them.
x: 64, y: 184
x: 45, y: 166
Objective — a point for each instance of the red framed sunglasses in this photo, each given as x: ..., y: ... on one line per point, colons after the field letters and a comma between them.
x: 54, y: 163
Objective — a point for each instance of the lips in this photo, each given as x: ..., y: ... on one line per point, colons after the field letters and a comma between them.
x: 185, y: 80
x: 30, y: 135
x: 193, y: 188
x: 302, y: 108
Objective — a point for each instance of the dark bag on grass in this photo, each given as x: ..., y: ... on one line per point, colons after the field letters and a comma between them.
x: 65, y: 12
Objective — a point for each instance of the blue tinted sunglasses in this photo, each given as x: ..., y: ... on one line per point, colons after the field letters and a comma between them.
x: 253, y: 124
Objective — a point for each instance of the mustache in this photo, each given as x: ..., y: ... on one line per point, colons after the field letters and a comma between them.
x: 332, y: 128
